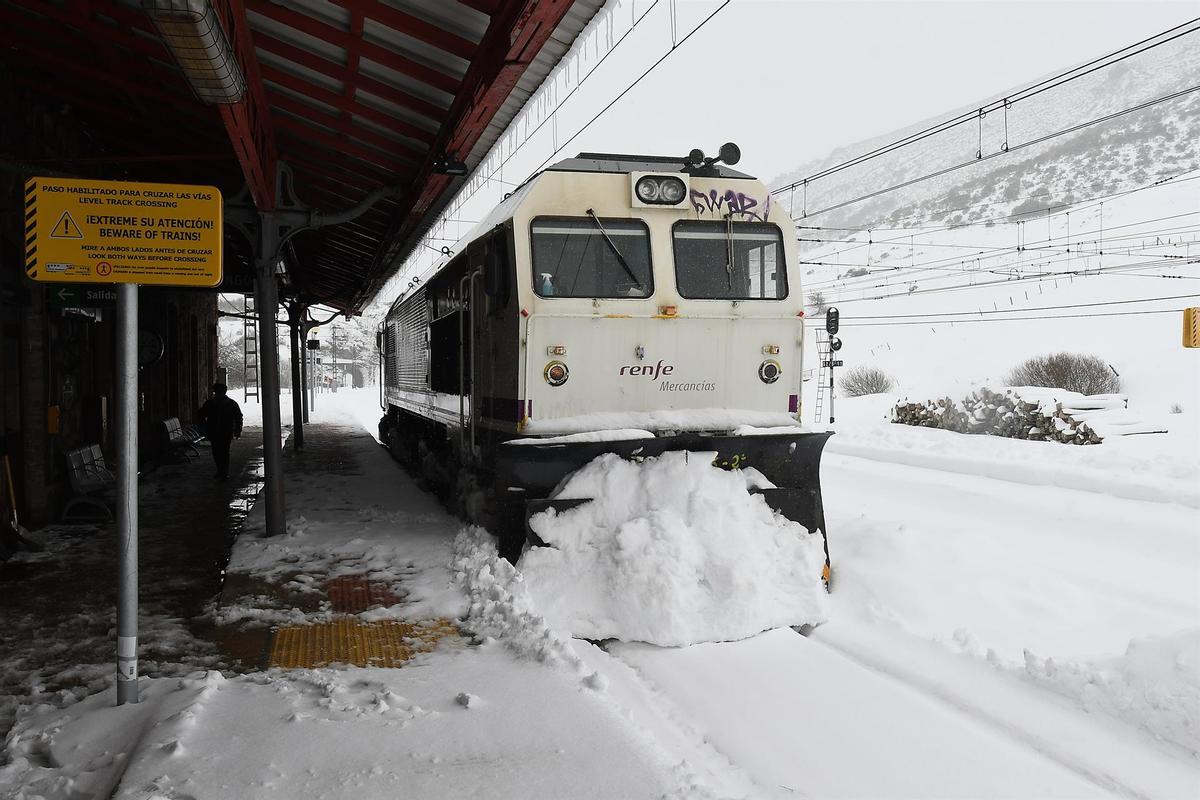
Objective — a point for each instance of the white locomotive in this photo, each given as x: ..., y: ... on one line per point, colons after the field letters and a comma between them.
x: 612, y: 303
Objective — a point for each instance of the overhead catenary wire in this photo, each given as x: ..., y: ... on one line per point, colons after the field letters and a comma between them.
x: 1088, y: 245
x: 973, y: 263
x: 1082, y: 205
x: 674, y: 46
x: 1009, y: 101
x: 961, y: 265
x: 987, y: 157
x: 999, y: 250
x: 1040, y: 278
x: 970, y: 266
x: 851, y: 322
x: 1025, y: 310
x: 1054, y: 209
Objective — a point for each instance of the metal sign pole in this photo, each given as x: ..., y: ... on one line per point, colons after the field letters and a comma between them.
x: 127, y: 493
x: 831, y: 392
x: 77, y: 231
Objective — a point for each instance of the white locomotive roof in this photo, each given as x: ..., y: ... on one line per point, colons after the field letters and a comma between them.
x: 594, y: 162
x: 611, y: 163
x: 621, y: 163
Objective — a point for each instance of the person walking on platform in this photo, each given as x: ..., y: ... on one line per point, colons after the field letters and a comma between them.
x: 221, y: 417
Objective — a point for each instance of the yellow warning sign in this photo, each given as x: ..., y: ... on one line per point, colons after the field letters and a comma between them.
x: 82, y: 231
x: 1191, y: 327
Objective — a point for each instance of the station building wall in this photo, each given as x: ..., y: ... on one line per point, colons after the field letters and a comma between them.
x: 58, y: 365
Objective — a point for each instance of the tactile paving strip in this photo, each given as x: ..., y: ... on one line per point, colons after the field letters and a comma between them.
x: 351, y: 594
x: 387, y: 643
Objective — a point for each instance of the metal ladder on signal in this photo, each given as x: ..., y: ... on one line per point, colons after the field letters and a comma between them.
x: 249, y: 351
x: 823, y: 354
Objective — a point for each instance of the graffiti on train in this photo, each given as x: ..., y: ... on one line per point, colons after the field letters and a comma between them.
x: 729, y: 202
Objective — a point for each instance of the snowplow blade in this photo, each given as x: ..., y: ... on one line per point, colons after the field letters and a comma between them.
x: 791, y: 461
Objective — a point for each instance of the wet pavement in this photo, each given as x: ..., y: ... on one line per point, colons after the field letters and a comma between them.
x: 58, y: 607
x: 305, y: 616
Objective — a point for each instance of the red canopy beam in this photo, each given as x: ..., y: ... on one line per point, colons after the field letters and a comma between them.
x: 513, y: 39
x: 382, y: 55
x: 342, y: 103
x: 326, y: 139
x: 298, y: 150
x: 248, y: 123
x: 350, y: 87
x: 511, y: 43
x: 319, y: 116
x: 334, y: 174
x: 486, y: 6
x: 334, y: 70
x: 418, y: 28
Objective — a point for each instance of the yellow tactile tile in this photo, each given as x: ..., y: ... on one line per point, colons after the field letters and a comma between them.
x: 349, y: 641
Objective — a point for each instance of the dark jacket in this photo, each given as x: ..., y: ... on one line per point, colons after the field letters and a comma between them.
x: 221, y: 417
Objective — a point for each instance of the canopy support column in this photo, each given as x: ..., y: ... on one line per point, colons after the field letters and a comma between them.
x: 304, y: 372
x: 266, y: 297
x: 296, y: 312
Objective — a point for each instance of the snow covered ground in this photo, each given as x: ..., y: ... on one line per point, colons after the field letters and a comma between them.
x: 987, y: 637
x: 944, y: 310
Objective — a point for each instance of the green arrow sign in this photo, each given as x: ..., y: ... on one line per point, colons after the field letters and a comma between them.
x: 81, y: 296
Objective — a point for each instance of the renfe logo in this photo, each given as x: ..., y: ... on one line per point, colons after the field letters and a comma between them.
x: 652, y: 372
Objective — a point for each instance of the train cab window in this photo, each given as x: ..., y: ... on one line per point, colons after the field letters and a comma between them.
x: 591, y: 257
x: 729, y: 261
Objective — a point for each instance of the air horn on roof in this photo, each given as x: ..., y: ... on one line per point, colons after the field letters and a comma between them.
x: 698, y: 164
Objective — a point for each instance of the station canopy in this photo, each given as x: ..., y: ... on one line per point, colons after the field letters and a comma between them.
x: 350, y: 95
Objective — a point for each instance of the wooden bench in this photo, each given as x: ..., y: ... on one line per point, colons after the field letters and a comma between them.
x: 181, y: 439
x: 92, y: 482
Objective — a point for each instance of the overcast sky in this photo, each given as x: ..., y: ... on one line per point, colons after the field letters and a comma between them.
x: 790, y: 80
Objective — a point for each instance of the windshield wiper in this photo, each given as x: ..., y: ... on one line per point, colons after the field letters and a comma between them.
x: 729, y: 249
x: 612, y: 246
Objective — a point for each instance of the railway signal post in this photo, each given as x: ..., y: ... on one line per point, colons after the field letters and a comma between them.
x: 129, y: 234
x: 832, y: 320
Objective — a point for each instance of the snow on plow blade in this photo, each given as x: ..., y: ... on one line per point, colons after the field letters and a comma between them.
x: 791, y: 461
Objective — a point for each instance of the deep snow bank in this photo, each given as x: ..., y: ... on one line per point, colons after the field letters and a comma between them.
x: 1155, y: 685
x: 1160, y: 468
x: 672, y: 551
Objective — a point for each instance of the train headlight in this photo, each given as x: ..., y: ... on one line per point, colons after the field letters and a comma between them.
x: 556, y: 373
x: 660, y: 190
x: 671, y: 190
x: 769, y: 371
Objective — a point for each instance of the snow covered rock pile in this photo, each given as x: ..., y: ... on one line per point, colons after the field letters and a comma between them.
x: 1019, y: 412
x: 672, y: 551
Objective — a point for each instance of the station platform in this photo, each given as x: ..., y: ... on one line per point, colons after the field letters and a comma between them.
x: 376, y: 649
x: 59, y: 604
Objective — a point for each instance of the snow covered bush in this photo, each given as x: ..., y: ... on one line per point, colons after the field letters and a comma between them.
x: 1074, y: 372
x: 817, y: 302
x: 1019, y: 412
x: 859, y: 381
